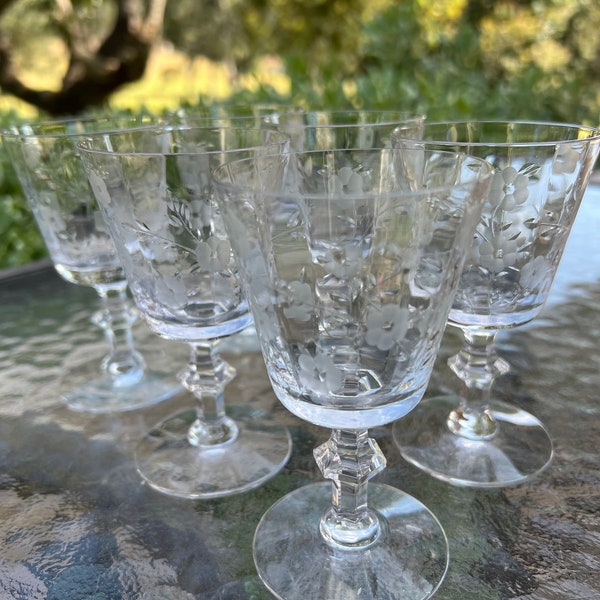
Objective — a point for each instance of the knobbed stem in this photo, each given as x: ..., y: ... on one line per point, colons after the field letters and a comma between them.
x: 350, y: 458
x: 477, y: 365
x: 123, y: 364
x: 206, y: 376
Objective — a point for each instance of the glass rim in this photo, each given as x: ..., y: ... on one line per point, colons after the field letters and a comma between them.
x: 213, y: 109
x: 487, y: 171
x: 15, y: 131
x: 594, y: 133
x: 168, y: 127
x: 391, y: 117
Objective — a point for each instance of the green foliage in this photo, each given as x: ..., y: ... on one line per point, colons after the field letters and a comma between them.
x: 20, y: 240
x: 533, y: 60
x: 402, y: 70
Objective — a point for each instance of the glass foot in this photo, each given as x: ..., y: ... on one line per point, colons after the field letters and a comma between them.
x: 408, y: 561
x: 170, y: 464
x: 84, y: 390
x: 519, y: 451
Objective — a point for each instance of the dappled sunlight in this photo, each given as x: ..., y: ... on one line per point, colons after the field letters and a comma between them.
x: 173, y: 79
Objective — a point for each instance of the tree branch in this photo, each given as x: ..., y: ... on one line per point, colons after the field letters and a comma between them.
x: 90, y: 80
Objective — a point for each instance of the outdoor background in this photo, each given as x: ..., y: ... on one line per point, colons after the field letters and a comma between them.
x: 519, y: 59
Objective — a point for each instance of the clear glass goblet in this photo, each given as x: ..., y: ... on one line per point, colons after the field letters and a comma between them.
x: 541, y: 172
x: 350, y: 277
x: 155, y: 189
x: 49, y: 168
x: 253, y: 115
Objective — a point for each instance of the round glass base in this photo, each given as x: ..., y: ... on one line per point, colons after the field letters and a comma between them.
x: 84, y: 390
x: 170, y: 464
x: 408, y: 561
x: 520, y: 449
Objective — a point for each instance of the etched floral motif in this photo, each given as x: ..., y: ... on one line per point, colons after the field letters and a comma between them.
x: 300, y: 307
x: 319, y: 373
x: 500, y: 251
x: 508, y: 189
x: 264, y: 317
x: 534, y: 272
x: 385, y: 326
x: 214, y: 254
x: 500, y: 235
x: 343, y: 261
x: 346, y: 180
x: 188, y: 238
x: 180, y: 218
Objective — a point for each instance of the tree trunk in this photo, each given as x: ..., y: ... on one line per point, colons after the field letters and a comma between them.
x: 90, y: 80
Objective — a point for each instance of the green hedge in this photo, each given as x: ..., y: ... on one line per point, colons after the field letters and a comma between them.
x: 20, y: 240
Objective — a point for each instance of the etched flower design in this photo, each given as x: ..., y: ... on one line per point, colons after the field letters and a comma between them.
x: 498, y: 252
x: 347, y: 181
x: 501, y: 236
x: 213, y: 254
x: 508, y: 189
x: 319, y: 373
x: 264, y: 317
x: 385, y: 326
x: 179, y: 216
x: 343, y: 261
x: 534, y: 272
x: 300, y: 306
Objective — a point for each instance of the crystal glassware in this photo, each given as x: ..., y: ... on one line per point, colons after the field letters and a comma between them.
x: 540, y: 174
x: 155, y: 189
x: 350, y: 276
x: 253, y: 115
x: 49, y: 168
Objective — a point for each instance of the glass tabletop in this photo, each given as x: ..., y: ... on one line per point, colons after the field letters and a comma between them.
x: 77, y: 522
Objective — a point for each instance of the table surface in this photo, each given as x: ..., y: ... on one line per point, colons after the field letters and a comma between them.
x: 76, y: 521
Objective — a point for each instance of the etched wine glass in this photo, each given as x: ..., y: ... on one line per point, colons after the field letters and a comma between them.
x: 541, y: 173
x: 155, y: 189
x: 227, y: 114
x: 350, y: 276
x: 49, y: 169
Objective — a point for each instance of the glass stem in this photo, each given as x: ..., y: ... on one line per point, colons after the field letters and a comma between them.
x: 206, y: 376
x: 477, y: 365
x: 350, y: 458
x: 123, y: 364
